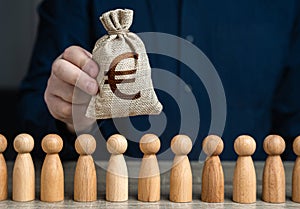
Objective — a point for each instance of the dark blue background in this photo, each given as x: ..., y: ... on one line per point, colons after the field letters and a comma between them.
x: 254, y: 46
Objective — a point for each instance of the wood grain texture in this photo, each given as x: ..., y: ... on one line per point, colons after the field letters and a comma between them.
x: 23, y: 171
x: 273, y: 188
x: 52, y: 179
x: 181, y: 179
x: 296, y: 172
x: 149, y: 179
x: 149, y: 175
x: 164, y: 203
x: 23, y: 178
x: 116, y: 174
x: 212, y: 180
x: 244, y: 181
x: 3, y: 178
x: 52, y: 174
x: 212, y: 173
x: 3, y: 169
x: 85, y: 179
x: 117, y: 179
x: 244, y: 178
x: 296, y: 181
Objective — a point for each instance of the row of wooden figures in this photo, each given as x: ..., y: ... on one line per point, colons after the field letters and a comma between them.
x: 85, y: 180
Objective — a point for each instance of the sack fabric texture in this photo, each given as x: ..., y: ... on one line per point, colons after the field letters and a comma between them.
x: 125, y: 84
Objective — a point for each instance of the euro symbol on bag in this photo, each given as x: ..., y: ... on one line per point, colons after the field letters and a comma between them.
x: 125, y: 84
x: 112, y: 73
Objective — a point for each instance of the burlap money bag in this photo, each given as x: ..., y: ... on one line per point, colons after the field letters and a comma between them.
x: 125, y: 84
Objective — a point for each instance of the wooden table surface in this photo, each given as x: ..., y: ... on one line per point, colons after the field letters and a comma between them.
x: 133, y: 168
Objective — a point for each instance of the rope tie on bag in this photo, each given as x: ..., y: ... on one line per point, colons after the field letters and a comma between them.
x: 117, y: 32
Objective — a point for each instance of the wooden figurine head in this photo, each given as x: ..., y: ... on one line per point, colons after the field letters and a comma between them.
x: 149, y: 144
x: 212, y: 145
x: 296, y: 146
x: 23, y: 143
x: 244, y: 145
x: 116, y: 144
x: 3, y: 143
x: 52, y: 144
x: 181, y: 145
x: 85, y: 144
x: 274, y: 145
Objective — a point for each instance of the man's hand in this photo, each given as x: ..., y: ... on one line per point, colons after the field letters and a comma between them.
x: 72, y: 83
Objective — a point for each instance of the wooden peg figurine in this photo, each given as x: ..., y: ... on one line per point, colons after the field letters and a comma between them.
x: 244, y: 178
x: 296, y: 172
x: 149, y: 175
x: 52, y: 174
x: 3, y: 169
x: 212, y: 173
x: 117, y: 174
x: 85, y: 179
x: 181, y: 173
x: 23, y: 171
x: 273, y: 189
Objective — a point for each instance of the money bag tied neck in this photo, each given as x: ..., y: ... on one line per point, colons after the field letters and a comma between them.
x: 125, y: 84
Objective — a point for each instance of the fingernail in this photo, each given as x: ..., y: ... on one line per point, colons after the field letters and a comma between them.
x: 92, y: 88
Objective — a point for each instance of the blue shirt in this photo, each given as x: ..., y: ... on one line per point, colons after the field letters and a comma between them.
x: 253, y: 45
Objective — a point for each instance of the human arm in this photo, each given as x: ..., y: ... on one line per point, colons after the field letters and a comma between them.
x: 60, y: 26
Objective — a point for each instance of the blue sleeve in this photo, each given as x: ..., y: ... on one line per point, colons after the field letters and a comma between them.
x: 286, y: 108
x: 61, y: 24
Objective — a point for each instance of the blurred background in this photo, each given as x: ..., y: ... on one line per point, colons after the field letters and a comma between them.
x: 18, y: 21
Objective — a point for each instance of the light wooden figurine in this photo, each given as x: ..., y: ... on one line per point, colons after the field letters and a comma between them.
x: 117, y: 174
x: 85, y: 179
x: 3, y: 169
x: 273, y: 189
x: 52, y: 174
x: 212, y: 173
x: 296, y: 172
x: 181, y: 173
x: 23, y: 171
x: 244, y: 178
x: 149, y: 175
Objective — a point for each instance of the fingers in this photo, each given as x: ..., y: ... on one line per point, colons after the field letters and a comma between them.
x: 74, y: 76
x: 59, y: 109
x: 64, y: 111
x: 82, y: 59
x: 71, y: 84
x: 67, y: 92
x: 76, y: 67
